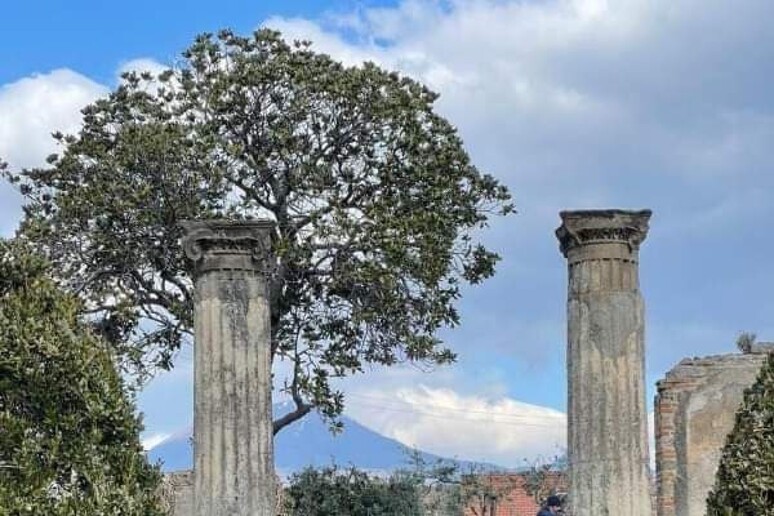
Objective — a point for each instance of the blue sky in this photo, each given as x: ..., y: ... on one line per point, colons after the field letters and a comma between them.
x: 572, y: 103
x: 93, y: 36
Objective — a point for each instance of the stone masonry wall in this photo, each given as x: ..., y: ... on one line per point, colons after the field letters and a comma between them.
x: 177, y: 493
x: 695, y: 408
x: 178, y: 497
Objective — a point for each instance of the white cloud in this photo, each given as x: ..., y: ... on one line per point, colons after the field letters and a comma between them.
x: 574, y: 98
x: 499, y: 430
x: 30, y: 110
x: 326, y: 42
x: 34, y: 107
x: 152, y: 440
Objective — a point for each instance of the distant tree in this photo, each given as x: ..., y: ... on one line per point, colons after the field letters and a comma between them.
x: 376, y: 203
x: 745, y: 342
x: 543, y: 478
x: 331, y: 491
x: 450, y: 488
x: 69, y: 437
x: 482, y: 493
x: 437, y: 483
x: 744, y: 484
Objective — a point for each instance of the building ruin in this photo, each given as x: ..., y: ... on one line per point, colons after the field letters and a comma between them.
x: 695, y: 409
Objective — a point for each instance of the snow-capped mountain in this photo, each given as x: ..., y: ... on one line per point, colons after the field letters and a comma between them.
x: 307, y: 442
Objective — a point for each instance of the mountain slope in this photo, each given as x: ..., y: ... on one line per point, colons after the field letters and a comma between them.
x: 306, y: 443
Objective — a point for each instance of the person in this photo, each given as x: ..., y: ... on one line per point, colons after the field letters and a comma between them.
x: 553, y: 506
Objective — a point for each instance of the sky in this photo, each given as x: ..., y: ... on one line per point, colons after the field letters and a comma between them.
x: 572, y: 103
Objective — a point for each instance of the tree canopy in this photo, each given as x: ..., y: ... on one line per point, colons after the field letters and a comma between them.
x: 332, y: 491
x: 442, y: 487
x: 377, y: 207
x: 69, y: 437
x: 744, y: 483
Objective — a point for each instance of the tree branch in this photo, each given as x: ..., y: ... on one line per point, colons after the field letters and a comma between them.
x: 292, y: 417
x: 302, y: 408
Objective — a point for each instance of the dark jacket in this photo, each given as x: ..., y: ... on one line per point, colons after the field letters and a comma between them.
x: 545, y: 512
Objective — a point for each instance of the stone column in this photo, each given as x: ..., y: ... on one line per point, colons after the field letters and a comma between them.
x: 233, y: 438
x: 607, y: 422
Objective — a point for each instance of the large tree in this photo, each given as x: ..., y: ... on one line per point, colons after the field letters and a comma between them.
x: 376, y: 203
x: 69, y: 436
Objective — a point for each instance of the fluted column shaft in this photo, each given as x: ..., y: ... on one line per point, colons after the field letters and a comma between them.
x: 233, y: 441
x: 607, y: 421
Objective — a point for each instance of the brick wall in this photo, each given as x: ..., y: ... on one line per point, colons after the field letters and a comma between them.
x: 516, y: 501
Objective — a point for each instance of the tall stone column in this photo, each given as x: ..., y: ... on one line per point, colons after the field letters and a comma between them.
x: 607, y: 432
x: 233, y: 445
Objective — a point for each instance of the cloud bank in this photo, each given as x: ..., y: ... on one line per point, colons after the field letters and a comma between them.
x: 442, y: 421
x: 600, y: 103
x: 595, y: 103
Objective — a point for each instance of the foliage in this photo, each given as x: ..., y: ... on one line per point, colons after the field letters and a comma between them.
x: 423, y: 488
x: 744, y: 484
x: 376, y: 203
x: 745, y: 342
x: 543, y: 478
x: 69, y: 439
x: 438, y: 484
x: 332, y: 491
x: 450, y: 488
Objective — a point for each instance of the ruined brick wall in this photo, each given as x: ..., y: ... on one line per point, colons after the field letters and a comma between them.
x: 695, y: 408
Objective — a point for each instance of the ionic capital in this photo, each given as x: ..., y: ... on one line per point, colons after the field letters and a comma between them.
x: 228, y: 245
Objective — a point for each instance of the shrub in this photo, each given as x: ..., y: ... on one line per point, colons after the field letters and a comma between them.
x: 69, y: 436
x: 332, y: 491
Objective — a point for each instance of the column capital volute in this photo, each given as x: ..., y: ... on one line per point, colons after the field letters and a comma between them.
x: 593, y: 227
x: 222, y: 245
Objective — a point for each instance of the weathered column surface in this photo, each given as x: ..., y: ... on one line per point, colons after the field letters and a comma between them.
x: 607, y: 428
x: 233, y: 449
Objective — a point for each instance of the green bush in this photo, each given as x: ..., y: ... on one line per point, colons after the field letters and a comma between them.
x: 332, y: 491
x: 744, y: 484
x: 69, y: 436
